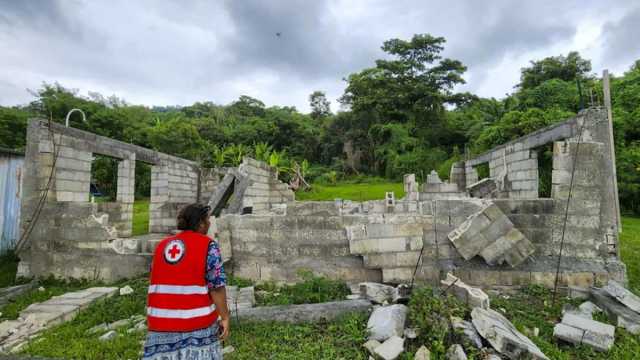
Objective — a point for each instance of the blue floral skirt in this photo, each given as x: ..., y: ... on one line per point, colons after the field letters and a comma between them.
x: 200, y: 344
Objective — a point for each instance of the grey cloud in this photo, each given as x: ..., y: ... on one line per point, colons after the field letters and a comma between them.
x: 621, y: 40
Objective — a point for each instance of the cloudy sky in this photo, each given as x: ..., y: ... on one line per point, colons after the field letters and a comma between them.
x: 179, y: 52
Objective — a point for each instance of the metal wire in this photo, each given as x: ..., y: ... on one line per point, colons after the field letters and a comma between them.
x: 566, y: 211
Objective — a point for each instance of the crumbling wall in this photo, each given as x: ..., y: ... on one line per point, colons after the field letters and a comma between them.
x: 72, y: 237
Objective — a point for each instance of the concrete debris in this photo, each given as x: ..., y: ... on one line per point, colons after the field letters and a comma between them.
x: 353, y: 297
x: 411, y: 333
x: 390, y: 349
x: 9, y: 293
x: 112, y: 334
x: 304, y: 312
x: 467, y: 330
x: 387, y: 321
x: 433, y: 178
x: 485, y: 188
x: 618, y: 313
x: 39, y: 316
x: 580, y: 330
x: 377, y: 293
x: 490, y: 234
x: 127, y: 290
x: 371, y: 345
x: 626, y: 297
x: 503, y: 336
x: 422, y: 354
x: 474, y: 297
x: 240, y: 298
x: 119, y: 324
x: 228, y: 350
x: 98, y: 329
x: 456, y: 352
x: 41, y: 289
x: 402, y: 293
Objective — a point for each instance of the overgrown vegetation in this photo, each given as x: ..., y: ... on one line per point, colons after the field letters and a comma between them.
x: 402, y: 115
x: 140, y: 217
x: 313, y: 289
x: 8, y: 267
x: 356, y: 191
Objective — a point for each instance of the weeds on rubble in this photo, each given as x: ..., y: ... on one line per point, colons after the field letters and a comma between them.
x: 532, y: 308
x: 431, y: 315
x: 8, y: 267
x: 351, y: 191
x: 313, y: 289
x: 71, y: 341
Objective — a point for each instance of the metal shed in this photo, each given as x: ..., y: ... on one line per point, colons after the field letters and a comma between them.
x: 11, y: 169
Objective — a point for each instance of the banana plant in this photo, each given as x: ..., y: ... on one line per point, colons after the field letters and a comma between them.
x: 262, y: 151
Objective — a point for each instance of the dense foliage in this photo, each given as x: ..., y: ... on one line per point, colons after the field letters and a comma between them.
x: 401, y: 115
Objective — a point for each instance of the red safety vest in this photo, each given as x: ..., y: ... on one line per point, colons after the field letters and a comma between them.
x: 178, y: 298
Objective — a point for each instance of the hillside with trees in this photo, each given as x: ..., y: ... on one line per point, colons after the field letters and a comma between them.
x: 401, y: 115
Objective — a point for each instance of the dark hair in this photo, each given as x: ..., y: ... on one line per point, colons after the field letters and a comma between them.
x: 190, y: 216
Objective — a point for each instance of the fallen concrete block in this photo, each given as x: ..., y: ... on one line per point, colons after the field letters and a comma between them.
x: 467, y: 331
x: 618, y: 313
x: 108, y: 336
x: 580, y: 330
x: 305, y: 312
x: 377, y: 293
x: 456, y: 352
x: 390, y: 349
x: 616, y: 290
x: 472, y: 296
x: 503, y: 336
x: 126, y: 290
x: 484, y: 188
x: 387, y: 321
x: 422, y: 354
x: 371, y: 345
x: 490, y: 234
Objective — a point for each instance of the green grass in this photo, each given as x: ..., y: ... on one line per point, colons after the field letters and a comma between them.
x: 140, y: 217
x: 630, y: 250
x: 351, y: 191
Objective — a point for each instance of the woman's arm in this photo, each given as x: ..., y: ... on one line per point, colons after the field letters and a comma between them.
x: 219, y: 297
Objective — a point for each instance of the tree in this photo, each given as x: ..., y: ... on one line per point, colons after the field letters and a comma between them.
x: 567, y: 68
x: 247, y: 106
x: 320, y: 106
x: 416, y: 84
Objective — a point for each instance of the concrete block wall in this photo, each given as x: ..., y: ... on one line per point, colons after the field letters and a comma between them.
x: 263, y: 188
x: 72, y: 228
x: 279, y: 247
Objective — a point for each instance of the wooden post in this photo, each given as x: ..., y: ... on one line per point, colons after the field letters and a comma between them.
x: 607, y: 103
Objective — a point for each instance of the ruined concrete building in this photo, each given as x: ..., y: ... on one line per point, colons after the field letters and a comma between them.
x: 491, y: 232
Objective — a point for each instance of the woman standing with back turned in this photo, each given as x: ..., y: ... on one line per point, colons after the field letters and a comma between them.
x: 187, y: 293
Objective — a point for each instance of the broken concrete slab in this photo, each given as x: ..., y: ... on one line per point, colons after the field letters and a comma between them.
x: 377, y: 293
x: 387, y: 321
x: 305, y: 312
x: 108, y: 336
x: 618, y: 313
x: 371, y: 345
x: 485, y: 188
x: 127, y: 290
x: 390, y: 349
x: 580, y: 330
x: 490, y: 234
x: 503, y: 336
x: 422, y: 354
x: 620, y: 293
x: 456, y: 352
x: 472, y: 296
x: 467, y: 331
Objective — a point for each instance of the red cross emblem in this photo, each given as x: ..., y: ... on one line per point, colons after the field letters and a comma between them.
x: 174, y: 251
